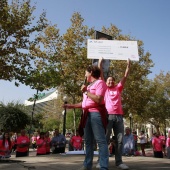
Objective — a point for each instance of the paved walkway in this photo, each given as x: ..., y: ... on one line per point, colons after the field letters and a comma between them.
x: 74, y: 162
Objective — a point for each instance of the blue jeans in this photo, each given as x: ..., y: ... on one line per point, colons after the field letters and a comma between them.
x: 94, y: 130
x: 116, y: 122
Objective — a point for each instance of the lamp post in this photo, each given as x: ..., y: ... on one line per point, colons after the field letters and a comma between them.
x: 130, y: 117
x: 64, y: 116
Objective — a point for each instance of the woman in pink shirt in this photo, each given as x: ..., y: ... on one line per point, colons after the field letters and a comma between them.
x: 157, y: 146
x: 113, y: 105
x: 5, y: 146
x: 41, y: 144
x: 168, y: 144
x: 94, y: 117
x: 48, y: 142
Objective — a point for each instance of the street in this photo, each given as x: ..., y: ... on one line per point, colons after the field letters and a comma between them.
x: 74, y: 162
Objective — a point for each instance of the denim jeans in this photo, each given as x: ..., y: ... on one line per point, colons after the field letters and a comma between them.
x: 116, y: 122
x: 94, y: 130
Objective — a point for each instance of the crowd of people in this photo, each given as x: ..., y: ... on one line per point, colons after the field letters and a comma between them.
x: 42, y: 142
x: 158, y: 142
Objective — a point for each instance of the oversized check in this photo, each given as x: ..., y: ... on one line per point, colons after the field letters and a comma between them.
x: 112, y: 49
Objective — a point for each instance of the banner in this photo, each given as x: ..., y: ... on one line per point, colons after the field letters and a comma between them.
x: 112, y: 49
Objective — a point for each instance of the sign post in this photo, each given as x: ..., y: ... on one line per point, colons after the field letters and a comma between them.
x: 106, y: 63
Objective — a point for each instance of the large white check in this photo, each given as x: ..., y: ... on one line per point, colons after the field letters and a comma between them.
x: 112, y: 49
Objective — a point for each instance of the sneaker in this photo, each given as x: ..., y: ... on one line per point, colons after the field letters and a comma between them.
x: 98, y: 166
x: 123, y: 166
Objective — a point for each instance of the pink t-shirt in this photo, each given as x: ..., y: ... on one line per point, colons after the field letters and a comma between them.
x: 168, y: 142
x: 41, y: 149
x: 98, y: 88
x: 5, y: 147
x: 38, y: 137
x: 34, y: 139
x: 76, y: 140
x: 48, y: 140
x: 157, y: 144
x: 163, y: 139
x: 22, y: 140
x: 113, y: 99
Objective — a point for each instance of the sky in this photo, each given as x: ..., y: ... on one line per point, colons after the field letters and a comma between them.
x: 146, y: 20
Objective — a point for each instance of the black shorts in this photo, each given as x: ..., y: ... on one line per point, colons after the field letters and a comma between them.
x: 59, y: 150
x: 21, y: 154
x: 158, y: 154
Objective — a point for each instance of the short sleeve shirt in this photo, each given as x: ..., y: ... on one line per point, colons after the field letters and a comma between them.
x: 98, y: 88
x: 6, y: 146
x: 41, y: 149
x: 22, y: 140
x: 113, y: 99
x: 76, y: 140
x: 157, y: 144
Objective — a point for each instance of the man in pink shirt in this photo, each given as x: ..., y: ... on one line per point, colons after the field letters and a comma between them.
x: 115, y: 113
x: 76, y: 141
x: 157, y: 146
x: 23, y: 143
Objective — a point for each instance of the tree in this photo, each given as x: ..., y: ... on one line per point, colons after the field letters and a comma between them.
x: 136, y: 92
x: 17, y: 34
x: 68, y: 53
x: 13, y: 117
x: 157, y: 110
x: 66, y: 56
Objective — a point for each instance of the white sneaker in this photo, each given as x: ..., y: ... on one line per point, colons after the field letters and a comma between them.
x: 123, y: 166
x: 98, y: 166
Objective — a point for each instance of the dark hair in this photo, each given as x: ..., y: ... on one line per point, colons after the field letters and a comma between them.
x: 41, y: 133
x: 111, y: 77
x: 3, y: 140
x: 94, y: 70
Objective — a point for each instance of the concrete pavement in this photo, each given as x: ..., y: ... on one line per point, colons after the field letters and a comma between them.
x: 74, y: 162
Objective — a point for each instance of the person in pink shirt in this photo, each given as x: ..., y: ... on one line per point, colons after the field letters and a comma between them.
x: 34, y: 141
x: 48, y: 142
x: 168, y: 144
x: 5, y: 146
x: 76, y: 141
x: 162, y: 137
x: 142, y: 139
x: 94, y: 119
x: 115, y: 112
x: 157, y: 146
x: 38, y: 134
x: 23, y: 143
x: 41, y: 144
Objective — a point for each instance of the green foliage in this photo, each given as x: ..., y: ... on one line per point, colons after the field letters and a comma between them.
x: 70, y: 119
x: 157, y: 110
x: 13, y: 117
x: 51, y: 124
x: 16, y: 29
